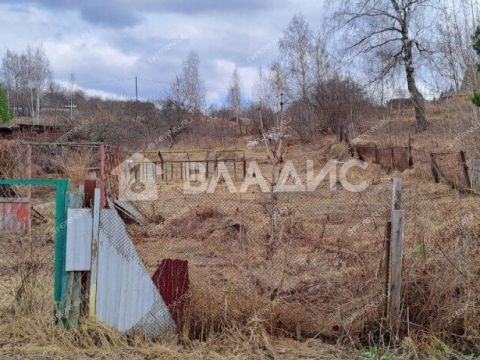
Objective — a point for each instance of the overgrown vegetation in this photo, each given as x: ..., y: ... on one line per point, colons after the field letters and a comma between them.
x: 5, y: 115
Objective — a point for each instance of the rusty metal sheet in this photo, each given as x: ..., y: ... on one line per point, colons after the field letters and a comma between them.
x: 79, y: 240
x: 384, y: 157
x: 171, y: 279
x: 15, y: 215
x: 401, y: 158
x: 367, y: 152
x: 89, y: 188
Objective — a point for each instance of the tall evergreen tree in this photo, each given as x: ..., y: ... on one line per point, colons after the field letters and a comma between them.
x: 5, y: 114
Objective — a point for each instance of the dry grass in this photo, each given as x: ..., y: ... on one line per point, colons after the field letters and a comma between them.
x: 75, y: 168
x: 321, y: 293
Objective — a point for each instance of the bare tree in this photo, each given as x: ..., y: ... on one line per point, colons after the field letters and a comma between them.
x: 296, y: 47
x: 187, y: 88
x: 235, y: 97
x: 40, y: 74
x: 12, y: 73
x: 456, y: 22
x: 26, y: 77
x: 277, y: 81
x: 391, y: 30
x: 263, y: 102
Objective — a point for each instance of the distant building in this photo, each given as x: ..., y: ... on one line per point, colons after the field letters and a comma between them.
x: 28, y: 129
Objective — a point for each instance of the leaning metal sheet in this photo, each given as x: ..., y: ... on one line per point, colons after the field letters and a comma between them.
x: 127, y: 298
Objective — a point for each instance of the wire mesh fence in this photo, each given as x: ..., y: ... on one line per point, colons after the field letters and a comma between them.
x: 302, y: 263
x: 261, y: 252
x: 27, y: 228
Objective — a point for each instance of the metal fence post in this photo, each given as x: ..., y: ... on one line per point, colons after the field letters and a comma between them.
x: 61, y: 276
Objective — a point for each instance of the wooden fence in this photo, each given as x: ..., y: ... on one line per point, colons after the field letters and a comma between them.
x: 452, y: 168
x: 171, y: 166
x: 390, y: 158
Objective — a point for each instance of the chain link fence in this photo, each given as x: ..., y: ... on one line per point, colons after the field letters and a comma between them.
x: 300, y: 264
x: 283, y: 256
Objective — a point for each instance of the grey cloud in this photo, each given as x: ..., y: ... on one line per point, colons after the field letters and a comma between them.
x: 123, y: 13
x: 222, y: 32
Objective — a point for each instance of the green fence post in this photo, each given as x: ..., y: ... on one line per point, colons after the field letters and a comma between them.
x: 61, y: 276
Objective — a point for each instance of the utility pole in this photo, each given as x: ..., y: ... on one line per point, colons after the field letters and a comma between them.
x: 72, y: 87
x: 281, y: 109
x: 136, y: 97
x: 136, y: 88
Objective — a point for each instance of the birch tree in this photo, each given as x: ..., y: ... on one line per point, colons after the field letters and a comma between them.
x: 456, y: 22
x: 235, y: 97
x: 26, y: 77
x: 188, y: 88
x: 391, y: 30
x: 296, y: 47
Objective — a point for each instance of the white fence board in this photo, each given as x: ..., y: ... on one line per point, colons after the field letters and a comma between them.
x: 79, y: 240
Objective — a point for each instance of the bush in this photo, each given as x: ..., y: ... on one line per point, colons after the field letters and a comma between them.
x: 5, y: 114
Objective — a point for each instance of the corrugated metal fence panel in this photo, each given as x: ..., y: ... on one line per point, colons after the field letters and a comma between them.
x: 15, y: 215
x: 79, y: 240
x: 127, y: 298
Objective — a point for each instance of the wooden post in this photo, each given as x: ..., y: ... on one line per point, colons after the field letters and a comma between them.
x: 29, y: 171
x: 395, y: 268
x: 74, y: 294
x: 388, y: 234
x: 433, y: 165
x: 410, y: 156
x: 397, y: 194
x: 465, y: 170
x: 102, y: 179
x: 392, y: 153
x: 475, y: 176
x: 395, y: 255
x: 95, y: 244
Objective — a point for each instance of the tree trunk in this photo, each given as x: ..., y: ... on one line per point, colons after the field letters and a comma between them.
x: 417, y: 97
x: 239, y: 124
x: 38, y: 107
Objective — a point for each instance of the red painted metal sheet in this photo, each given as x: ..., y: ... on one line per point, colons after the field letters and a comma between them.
x: 89, y: 189
x: 15, y: 216
x: 171, y: 279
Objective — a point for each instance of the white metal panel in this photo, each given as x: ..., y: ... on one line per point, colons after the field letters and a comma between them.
x: 79, y: 240
x: 127, y: 298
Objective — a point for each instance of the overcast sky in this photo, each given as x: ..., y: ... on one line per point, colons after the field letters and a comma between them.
x: 106, y: 43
